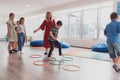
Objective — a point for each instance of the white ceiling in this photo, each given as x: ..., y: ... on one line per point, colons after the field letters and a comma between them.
x: 20, y: 6
x: 32, y: 7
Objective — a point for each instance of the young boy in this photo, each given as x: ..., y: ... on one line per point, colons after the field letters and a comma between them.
x: 53, y: 39
x: 112, y: 31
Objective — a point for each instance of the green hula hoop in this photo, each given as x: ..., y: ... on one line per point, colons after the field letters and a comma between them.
x: 67, y: 59
x: 59, y: 62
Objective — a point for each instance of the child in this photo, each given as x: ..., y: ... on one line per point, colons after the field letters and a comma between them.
x: 53, y: 39
x: 21, y: 35
x: 16, y: 44
x: 112, y: 31
x: 12, y: 37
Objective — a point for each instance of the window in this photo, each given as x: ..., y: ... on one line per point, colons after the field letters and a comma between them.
x: 104, y: 19
x: 74, y: 25
x: 3, y: 27
x: 90, y: 23
x: 63, y: 32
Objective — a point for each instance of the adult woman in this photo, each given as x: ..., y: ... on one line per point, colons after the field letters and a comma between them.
x: 46, y: 26
x: 12, y: 37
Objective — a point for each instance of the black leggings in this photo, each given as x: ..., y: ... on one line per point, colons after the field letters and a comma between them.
x: 52, y: 43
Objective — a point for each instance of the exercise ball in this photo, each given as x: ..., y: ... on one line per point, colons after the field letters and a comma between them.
x: 36, y: 43
x: 101, y: 47
x: 65, y: 45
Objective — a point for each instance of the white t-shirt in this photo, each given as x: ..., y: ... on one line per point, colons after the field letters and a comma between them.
x: 21, y: 29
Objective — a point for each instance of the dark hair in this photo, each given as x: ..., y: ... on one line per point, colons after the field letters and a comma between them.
x: 22, y: 18
x: 114, y: 15
x: 59, y: 23
x: 11, y: 14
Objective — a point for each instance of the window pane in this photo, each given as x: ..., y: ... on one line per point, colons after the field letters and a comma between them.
x: 74, y: 25
x: 90, y: 24
x: 105, y: 19
x: 64, y: 29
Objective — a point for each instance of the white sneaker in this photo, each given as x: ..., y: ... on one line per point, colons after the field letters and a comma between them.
x: 45, y: 58
x: 60, y: 58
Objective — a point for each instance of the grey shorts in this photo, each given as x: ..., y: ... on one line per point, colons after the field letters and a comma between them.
x: 114, y: 49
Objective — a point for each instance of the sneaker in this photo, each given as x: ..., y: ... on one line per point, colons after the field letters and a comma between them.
x: 45, y: 59
x: 45, y: 53
x: 14, y: 50
x: 59, y: 58
x: 117, y: 69
x: 10, y: 51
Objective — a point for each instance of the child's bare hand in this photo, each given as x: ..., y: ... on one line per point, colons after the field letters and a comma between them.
x: 26, y: 39
x: 55, y: 38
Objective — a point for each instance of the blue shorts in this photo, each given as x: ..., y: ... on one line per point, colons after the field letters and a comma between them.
x: 114, y: 49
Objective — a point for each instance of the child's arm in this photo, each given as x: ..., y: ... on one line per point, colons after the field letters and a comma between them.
x: 105, y: 32
x: 51, y: 34
x: 118, y: 28
x: 25, y: 36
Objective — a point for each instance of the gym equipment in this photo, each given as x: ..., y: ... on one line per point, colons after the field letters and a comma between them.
x: 36, y: 43
x: 101, y: 47
x: 35, y: 56
x: 56, y: 62
x: 40, y: 61
x: 71, y: 70
x: 65, y: 45
x: 67, y: 59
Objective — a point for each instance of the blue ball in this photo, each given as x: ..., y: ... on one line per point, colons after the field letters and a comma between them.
x: 65, y: 45
x: 36, y: 43
x: 101, y: 47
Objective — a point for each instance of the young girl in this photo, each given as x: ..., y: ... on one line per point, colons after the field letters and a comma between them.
x: 17, y: 24
x: 46, y: 26
x: 21, y: 35
x: 12, y: 37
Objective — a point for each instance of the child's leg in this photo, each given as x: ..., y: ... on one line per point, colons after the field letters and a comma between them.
x: 51, y: 48
x: 23, y: 40
x: 117, y: 48
x: 9, y: 46
x: 14, y: 45
x: 59, y: 46
x: 112, y: 53
x: 19, y: 42
x: 112, y: 48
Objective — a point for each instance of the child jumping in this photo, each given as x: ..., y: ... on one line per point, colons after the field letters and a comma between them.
x: 112, y: 31
x: 53, y: 39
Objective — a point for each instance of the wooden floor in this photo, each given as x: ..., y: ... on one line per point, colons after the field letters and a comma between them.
x: 14, y: 67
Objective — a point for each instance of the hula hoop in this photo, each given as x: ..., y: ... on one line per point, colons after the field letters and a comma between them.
x: 71, y: 70
x: 53, y: 62
x: 43, y: 64
x: 35, y: 56
x: 67, y: 59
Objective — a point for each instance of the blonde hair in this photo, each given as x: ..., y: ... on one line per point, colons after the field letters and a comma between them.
x: 47, y: 13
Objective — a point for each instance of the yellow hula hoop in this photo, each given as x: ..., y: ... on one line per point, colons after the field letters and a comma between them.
x: 43, y: 64
x: 71, y: 70
x: 35, y: 56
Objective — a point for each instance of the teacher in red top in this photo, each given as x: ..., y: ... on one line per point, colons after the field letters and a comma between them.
x: 46, y: 26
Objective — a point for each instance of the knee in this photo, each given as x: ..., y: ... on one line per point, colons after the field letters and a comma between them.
x: 51, y: 48
x: 59, y: 45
